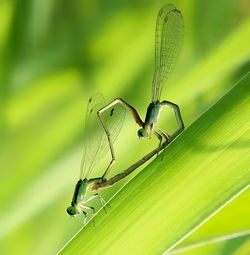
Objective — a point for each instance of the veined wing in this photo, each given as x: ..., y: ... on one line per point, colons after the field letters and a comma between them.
x: 95, y: 140
x: 168, y: 42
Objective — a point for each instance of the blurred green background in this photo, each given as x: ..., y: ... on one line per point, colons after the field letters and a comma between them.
x: 54, y: 56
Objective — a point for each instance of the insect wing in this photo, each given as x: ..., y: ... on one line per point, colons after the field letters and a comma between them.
x: 94, y: 135
x: 96, y: 143
x: 113, y: 119
x: 168, y: 43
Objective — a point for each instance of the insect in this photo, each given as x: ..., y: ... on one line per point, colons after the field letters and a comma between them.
x: 96, y: 145
x: 168, y: 42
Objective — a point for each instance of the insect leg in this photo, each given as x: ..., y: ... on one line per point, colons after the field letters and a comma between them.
x: 91, y: 198
x: 89, y: 207
x: 159, y: 136
x: 92, y: 209
x: 85, y: 217
x: 103, y: 202
x: 164, y: 134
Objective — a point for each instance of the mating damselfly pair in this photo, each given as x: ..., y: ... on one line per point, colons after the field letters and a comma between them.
x: 168, y: 42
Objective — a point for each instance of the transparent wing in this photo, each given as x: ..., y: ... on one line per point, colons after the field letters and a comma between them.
x: 93, y: 134
x: 168, y: 42
x: 95, y: 140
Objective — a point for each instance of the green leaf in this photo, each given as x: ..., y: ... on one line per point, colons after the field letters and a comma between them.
x: 231, y: 222
x: 201, y: 171
x: 239, y: 245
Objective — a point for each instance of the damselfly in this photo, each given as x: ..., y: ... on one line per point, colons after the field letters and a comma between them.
x: 168, y: 43
x: 96, y: 145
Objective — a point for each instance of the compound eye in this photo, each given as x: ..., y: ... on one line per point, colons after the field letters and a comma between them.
x: 142, y: 133
x: 71, y: 210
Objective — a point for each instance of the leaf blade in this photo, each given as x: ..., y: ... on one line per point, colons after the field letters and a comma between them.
x: 193, y: 190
